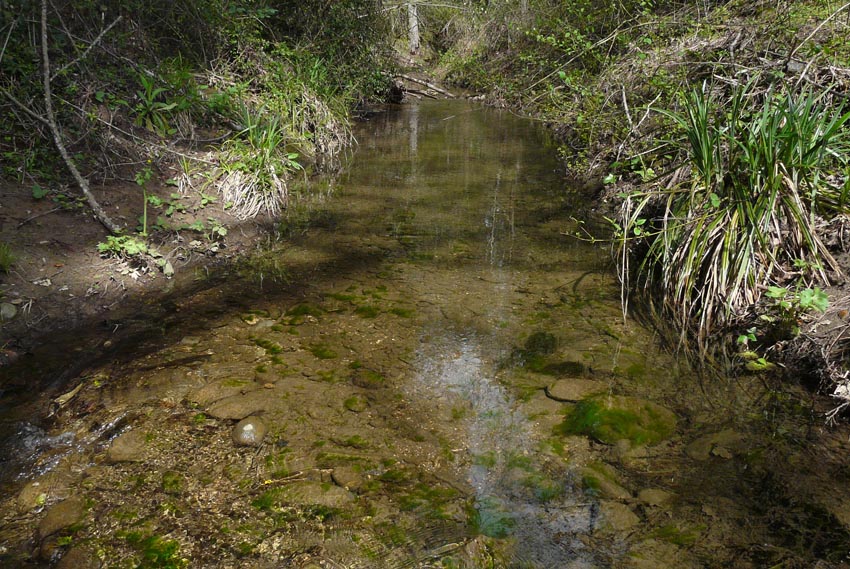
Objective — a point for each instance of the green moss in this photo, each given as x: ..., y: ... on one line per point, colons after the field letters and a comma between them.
x: 641, y: 424
x: 492, y: 519
x: 172, y: 482
x: 541, y: 343
x: 332, y: 459
x: 356, y: 404
x: 305, y: 309
x: 323, y: 352
x: 7, y: 258
x: 156, y: 551
x: 402, y: 312
x: 367, y: 311
x: 672, y: 533
x: 342, y: 297
x: 394, y: 476
x: 299, y: 313
x: 487, y: 459
x: 271, y: 348
x: 356, y: 441
x: 367, y: 379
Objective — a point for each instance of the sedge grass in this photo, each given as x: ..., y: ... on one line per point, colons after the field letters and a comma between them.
x: 763, y: 172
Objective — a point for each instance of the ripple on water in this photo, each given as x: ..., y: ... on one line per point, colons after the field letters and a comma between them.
x: 535, y: 506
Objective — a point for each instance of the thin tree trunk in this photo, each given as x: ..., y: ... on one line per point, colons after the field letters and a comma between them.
x: 413, y: 28
x: 57, y: 136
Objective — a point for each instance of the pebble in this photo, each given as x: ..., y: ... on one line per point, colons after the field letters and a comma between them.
x: 250, y: 431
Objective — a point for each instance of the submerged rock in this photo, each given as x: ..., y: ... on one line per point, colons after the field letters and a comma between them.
x: 574, y: 389
x: 608, y: 419
x: 250, y: 431
x: 617, y: 517
x: 127, y: 448
x: 79, y: 557
x: 7, y: 311
x: 723, y: 444
x: 315, y: 493
x: 654, y: 496
x: 240, y: 406
x: 62, y: 515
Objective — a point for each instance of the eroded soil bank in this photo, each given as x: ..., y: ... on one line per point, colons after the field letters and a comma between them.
x: 434, y: 376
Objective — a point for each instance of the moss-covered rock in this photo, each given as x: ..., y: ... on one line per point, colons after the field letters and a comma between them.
x: 609, y: 419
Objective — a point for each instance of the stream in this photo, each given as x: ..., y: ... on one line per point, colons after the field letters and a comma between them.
x: 440, y: 375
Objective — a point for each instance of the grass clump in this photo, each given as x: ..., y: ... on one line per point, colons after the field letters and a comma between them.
x: 7, y: 258
x: 765, y: 165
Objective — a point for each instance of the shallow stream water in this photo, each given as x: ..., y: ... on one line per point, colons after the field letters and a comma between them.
x: 417, y: 348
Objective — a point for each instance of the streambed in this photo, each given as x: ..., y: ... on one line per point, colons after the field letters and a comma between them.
x: 446, y: 380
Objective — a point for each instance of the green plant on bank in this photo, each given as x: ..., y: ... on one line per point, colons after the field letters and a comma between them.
x: 761, y: 171
x: 254, y: 166
x: 7, y: 257
x: 151, y: 112
x: 143, y: 176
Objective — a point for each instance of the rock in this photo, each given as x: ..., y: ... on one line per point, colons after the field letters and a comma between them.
x: 221, y: 389
x: 7, y: 311
x: 617, y: 517
x: 656, y: 554
x: 79, y: 557
x: 348, y: 478
x: 722, y: 444
x: 626, y: 454
x: 605, y: 481
x: 62, y: 515
x: 50, y: 487
x: 250, y: 431
x: 128, y: 447
x: 308, y: 493
x: 240, y: 406
x: 574, y: 389
x: 654, y: 496
x: 610, y: 418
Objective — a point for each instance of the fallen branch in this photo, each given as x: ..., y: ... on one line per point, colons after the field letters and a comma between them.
x: 427, y: 84
x: 50, y: 119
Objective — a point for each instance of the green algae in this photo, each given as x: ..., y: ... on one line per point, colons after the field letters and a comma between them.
x: 323, y: 352
x: 367, y: 311
x: 639, y: 422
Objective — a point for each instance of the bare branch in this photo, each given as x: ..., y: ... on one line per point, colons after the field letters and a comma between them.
x: 50, y: 118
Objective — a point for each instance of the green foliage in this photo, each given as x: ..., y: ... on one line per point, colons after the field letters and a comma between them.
x: 122, y: 246
x: 157, y: 552
x: 763, y: 170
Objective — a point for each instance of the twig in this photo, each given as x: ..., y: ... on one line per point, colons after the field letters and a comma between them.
x: 88, y: 49
x: 5, y: 43
x: 36, y: 216
x: 814, y: 31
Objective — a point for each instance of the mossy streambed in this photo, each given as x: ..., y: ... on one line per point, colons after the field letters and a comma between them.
x: 444, y: 380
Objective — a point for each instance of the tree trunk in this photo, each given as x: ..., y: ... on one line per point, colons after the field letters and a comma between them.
x: 413, y: 28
